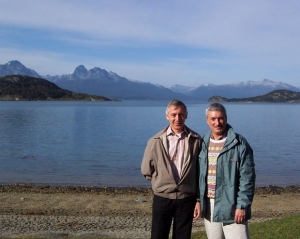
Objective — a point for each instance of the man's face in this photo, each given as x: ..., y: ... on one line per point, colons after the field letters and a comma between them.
x: 176, y: 116
x: 217, y: 122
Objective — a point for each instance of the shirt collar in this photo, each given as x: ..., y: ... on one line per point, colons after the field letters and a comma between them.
x: 170, y: 131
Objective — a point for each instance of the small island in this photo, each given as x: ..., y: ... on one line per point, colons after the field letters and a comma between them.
x: 27, y: 88
x: 276, y: 96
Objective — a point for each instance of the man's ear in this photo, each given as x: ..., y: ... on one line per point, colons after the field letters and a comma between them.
x: 167, y: 117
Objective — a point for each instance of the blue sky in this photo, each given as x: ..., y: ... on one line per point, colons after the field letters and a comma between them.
x: 162, y: 42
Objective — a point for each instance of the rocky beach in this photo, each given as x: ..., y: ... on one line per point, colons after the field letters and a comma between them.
x: 35, y: 211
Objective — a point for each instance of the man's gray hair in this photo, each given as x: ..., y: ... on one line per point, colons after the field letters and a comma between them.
x: 216, y: 107
x: 176, y: 104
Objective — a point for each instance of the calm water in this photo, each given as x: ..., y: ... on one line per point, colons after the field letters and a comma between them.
x: 102, y: 143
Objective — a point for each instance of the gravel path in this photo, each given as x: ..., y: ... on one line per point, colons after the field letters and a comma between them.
x: 79, y: 227
x: 56, y: 227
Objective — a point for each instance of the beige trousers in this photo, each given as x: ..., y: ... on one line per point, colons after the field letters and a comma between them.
x: 219, y: 230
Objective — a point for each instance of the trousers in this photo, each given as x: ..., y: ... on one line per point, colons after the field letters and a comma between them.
x: 179, y: 211
x: 220, y: 230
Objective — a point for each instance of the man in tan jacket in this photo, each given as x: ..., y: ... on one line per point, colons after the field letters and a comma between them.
x: 170, y: 163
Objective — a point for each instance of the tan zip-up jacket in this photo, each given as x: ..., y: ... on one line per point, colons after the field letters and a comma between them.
x: 156, y: 167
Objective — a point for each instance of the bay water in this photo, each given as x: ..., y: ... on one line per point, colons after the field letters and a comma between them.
x: 102, y: 143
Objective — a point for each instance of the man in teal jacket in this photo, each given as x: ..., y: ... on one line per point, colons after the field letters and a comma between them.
x: 227, y: 178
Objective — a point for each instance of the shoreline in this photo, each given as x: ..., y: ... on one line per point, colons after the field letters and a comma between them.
x: 47, y: 188
x: 85, y: 211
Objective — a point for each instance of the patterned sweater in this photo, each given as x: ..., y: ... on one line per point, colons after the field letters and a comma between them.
x: 214, y: 149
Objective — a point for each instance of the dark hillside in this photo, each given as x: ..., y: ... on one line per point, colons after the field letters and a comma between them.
x: 19, y: 87
x: 275, y: 96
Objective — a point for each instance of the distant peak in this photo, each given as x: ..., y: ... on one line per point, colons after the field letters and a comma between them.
x: 268, y: 81
x: 14, y: 62
x: 80, y: 70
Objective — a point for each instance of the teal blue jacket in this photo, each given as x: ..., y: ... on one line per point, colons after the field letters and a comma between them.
x: 235, y: 181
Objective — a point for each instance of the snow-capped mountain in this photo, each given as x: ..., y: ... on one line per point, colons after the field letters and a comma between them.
x: 236, y: 90
x: 265, y: 82
x: 98, y: 81
x: 182, y: 89
x: 16, y: 68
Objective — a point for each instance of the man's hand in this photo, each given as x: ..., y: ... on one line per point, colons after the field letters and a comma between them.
x: 240, y: 215
x: 197, y: 211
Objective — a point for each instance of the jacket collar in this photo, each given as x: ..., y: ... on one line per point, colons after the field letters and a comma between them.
x: 189, y: 132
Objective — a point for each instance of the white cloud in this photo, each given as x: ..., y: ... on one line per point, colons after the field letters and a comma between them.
x: 231, y: 39
x: 198, y: 23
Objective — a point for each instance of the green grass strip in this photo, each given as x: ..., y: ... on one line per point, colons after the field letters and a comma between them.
x: 283, y: 228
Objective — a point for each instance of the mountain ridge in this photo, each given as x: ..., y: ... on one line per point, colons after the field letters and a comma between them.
x: 97, y: 81
x: 239, y: 90
x: 276, y: 96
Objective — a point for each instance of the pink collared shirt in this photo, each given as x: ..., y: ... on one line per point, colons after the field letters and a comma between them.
x: 176, y: 149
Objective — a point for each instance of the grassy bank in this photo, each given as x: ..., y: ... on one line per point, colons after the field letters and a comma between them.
x: 287, y: 228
